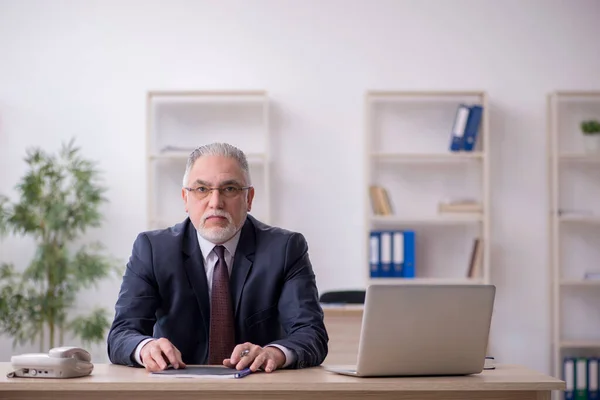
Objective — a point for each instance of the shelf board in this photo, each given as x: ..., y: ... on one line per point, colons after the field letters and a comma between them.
x: 427, y: 281
x: 580, y: 282
x: 208, y: 93
x: 253, y: 158
x: 578, y: 93
x: 580, y: 157
x: 463, y: 218
x: 582, y: 344
x: 428, y: 157
x: 170, y: 155
x: 583, y: 219
x: 217, y: 96
x: 414, y: 95
x: 585, y: 96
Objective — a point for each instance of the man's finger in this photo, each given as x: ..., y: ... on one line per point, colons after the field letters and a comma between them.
x: 255, y: 349
x: 168, y: 350
x: 271, y: 365
x: 179, y: 358
x: 253, y: 352
x: 247, y: 360
x: 235, y: 354
x: 151, y: 365
x: 244, y: 362
x: 258, y: 362
x: 157, y: 356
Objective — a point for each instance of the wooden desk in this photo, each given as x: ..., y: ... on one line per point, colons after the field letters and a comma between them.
x: 343, y: 327
x: 119, y: 382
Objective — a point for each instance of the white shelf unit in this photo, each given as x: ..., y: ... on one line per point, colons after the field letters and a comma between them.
x: 180, y: 121
x: 574, y: 222
x: 407, y: 151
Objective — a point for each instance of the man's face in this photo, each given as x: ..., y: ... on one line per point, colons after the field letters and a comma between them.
x: 217, y: 215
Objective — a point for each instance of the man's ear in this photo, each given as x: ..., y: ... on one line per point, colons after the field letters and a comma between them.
x: 249, y: 198
x: 184, y: 198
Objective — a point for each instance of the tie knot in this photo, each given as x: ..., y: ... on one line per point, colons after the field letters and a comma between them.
x: 220, y: 252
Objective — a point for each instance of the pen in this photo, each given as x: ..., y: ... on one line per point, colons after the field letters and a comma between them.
x: 243, y: 373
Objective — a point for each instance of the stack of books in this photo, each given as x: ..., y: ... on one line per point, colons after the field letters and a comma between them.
x: 460, y: 206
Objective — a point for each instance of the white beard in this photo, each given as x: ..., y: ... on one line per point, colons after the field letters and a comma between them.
x: 218, y: 234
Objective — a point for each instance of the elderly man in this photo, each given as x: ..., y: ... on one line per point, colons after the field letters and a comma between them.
x: 219, y: 287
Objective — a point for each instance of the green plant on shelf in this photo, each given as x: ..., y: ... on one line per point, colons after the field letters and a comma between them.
x: 590, y: 127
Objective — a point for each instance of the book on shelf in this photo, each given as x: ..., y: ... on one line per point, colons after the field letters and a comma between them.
x: 591, y: 276
x: 475, y: 262
x: 465, y: 129
x: 575, y: 213
x: 380, y: 200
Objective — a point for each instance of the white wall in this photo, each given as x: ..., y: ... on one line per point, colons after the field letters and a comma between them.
x: 81, y: 68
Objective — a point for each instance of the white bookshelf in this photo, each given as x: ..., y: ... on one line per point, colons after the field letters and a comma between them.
x: 407, y: 152
x: 574, y: 222
x: 180, y: 121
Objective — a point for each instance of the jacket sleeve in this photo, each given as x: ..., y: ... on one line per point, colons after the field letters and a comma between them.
x: 135, y: 310
x: 300, y: 312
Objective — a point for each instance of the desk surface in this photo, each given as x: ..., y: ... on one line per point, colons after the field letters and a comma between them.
x: 107, y: 377
x: 343, y: 309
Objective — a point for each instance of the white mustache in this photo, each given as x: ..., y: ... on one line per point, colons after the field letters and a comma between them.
x: 217, y: 213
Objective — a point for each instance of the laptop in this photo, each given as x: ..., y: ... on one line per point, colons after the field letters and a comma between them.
x: 423, y: 330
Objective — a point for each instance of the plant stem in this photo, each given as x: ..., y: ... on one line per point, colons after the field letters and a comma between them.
x: 50, y: 298
x: 49, y: 317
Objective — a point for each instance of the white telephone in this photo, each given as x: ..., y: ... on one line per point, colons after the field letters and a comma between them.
x: 60, y: 362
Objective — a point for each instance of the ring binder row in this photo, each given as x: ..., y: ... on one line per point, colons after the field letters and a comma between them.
x: 581, y: 377
x: 466, y: 127
x: 392, y: 254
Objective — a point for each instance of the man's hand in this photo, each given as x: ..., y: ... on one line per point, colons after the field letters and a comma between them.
x: 157, y: 354
x: 268, y: 358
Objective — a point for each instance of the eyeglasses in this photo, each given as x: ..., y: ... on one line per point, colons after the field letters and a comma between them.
x: 229, y: 191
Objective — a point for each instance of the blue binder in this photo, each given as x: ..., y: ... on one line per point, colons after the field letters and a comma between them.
x: 374, y: 252
x: 592, y: 382
x: 409, y: 254
x: 472, y: 128
x: 581, y: 378
x: 385, y: 255
x: 569, y: 378
x: 459, y: 127
x: 398, y: 254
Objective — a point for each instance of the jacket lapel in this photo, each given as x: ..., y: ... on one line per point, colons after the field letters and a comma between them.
x: 194, y: 268
x: 242, y: 263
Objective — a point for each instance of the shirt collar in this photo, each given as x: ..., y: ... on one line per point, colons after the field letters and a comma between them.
x: 206, y: 247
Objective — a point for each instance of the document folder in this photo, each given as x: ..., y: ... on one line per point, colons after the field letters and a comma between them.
x: 214, y: 372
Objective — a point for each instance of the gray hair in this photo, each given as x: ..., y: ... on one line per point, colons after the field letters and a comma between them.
x: 217, y: 149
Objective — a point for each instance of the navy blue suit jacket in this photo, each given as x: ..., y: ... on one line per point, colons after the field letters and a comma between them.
x: 164, y: 293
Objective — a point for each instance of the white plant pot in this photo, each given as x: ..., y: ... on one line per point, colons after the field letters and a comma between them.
x: 591, y: 143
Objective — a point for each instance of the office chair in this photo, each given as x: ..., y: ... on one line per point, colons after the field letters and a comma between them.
x: 343, y: 297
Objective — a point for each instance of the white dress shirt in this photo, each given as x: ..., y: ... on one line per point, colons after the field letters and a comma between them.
x: 210, y: 260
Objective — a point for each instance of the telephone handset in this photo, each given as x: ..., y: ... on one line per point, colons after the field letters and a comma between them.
x: 60, y: 362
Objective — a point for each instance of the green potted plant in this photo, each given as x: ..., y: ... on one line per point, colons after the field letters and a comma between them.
x: 59, y: 199
x: 591, y: 135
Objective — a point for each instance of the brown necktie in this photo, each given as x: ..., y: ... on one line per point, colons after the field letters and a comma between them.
x: 222, y: 334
